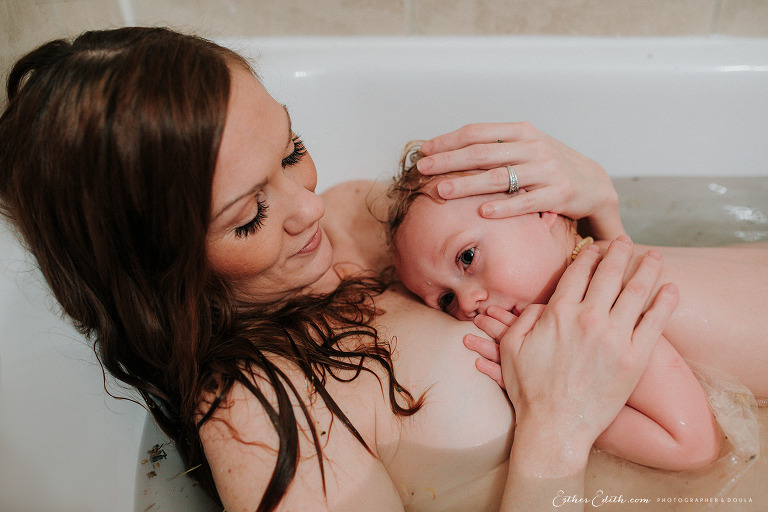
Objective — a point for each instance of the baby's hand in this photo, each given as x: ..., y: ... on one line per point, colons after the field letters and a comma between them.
x: 495, y: 323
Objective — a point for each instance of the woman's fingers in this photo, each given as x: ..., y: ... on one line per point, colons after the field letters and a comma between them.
x: 475, y: 134
x: 654, y: 320
x: 634, y: 298
x: 476, y: 156
x: 515, y: 336
x: 494, y: 180
x: 533, y: 200
x: 608, y: 279
x: 487, y: 348
x: 573, y: 284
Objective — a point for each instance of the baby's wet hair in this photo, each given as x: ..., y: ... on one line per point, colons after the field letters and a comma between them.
x: 406, y: 186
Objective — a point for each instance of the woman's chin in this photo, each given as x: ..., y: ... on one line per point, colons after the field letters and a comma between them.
x: 318, y: 272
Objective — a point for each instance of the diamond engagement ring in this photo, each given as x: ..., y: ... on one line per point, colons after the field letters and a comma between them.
x: 513, y: 185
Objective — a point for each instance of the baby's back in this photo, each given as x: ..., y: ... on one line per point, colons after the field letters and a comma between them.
x: 720, y: 320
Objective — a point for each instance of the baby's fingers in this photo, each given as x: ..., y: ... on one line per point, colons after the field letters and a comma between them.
x: 493, y: 370
x: 484, y: 347
x: 493, y: 327
x: 502, y: 315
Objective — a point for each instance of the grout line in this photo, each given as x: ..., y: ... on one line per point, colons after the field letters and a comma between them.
x: 409, y: 23
x: 126, y: 10
x: 716, y: 10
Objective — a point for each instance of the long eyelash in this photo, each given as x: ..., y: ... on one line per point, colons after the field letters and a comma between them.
x: 253, y: 226
x: 298, y: 152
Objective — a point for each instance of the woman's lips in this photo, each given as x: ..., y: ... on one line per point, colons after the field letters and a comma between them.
x: 313, y: 243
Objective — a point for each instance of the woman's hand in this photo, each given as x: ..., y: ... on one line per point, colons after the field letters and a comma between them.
x: 576, y: 361
x: 555, y: 177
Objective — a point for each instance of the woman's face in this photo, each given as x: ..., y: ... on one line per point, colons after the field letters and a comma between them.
x: 265, y: 235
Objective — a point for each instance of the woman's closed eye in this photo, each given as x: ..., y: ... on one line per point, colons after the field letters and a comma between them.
x: 298, y: 152
x: 253, y: 226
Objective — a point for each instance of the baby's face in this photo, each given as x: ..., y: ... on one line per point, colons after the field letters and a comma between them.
x: 461, y: 263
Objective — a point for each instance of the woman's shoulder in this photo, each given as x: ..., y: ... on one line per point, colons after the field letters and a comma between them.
x: 354, y: 187
x: 364, y: 198
x: 354, y: 212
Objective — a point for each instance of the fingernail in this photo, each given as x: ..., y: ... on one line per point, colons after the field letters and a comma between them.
x: 624, y: 238
x: 487, y: 210
x: 591, y: 247
x: 445, y: 189
x: 427, y: 147
x: 424, y: 164
x: 653, y: 253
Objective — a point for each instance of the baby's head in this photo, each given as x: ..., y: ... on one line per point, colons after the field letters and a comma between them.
x: 461, y: 262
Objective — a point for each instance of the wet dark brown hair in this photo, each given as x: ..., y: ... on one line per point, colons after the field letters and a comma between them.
x: 109, y: 148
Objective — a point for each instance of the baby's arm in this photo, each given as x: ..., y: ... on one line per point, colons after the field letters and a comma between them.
x: 666, y: 423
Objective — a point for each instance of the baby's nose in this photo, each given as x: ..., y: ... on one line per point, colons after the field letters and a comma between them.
x: 471, y: 303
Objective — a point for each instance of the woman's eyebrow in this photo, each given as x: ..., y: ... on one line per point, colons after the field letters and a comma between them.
x: 256, y: 187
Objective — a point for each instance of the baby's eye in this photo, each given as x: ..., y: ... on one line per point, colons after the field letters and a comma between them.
x: 466, y: 257
x: 446, y: 300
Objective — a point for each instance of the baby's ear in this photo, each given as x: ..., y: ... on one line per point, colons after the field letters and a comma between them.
x: 549, y: 218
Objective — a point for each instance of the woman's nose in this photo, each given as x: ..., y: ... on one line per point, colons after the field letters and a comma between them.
x: 306, y: 207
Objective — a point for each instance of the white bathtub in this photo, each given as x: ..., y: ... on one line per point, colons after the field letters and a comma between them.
x: 651, y: 108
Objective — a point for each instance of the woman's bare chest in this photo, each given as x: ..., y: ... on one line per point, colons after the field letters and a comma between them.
x: 452, y: 454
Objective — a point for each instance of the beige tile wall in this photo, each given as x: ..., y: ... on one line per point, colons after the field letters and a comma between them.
x: 26, y: 23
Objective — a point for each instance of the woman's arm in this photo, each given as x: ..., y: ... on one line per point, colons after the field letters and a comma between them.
x: 556, y: 177
x: 667, y: 422
x: 571, y: 366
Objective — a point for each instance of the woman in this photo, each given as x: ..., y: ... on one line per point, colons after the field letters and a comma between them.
x: 171, y: 208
